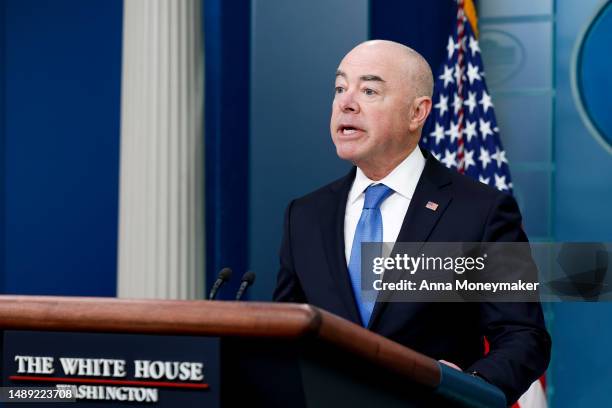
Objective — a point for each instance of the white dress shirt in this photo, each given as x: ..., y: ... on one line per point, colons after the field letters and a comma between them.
x: 403, y: 180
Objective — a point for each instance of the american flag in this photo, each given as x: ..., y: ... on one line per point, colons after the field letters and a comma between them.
x: 463, y: 132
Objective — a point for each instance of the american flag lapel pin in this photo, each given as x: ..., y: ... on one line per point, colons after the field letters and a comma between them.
x: 431, y: 205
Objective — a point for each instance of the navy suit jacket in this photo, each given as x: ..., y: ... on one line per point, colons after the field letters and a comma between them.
x: 313, y: 269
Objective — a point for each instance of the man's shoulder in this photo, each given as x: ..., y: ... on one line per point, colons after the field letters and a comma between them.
x: 329, y: 191
x: 463, y: 186
x: 469, y: 188
x: 475, y: 205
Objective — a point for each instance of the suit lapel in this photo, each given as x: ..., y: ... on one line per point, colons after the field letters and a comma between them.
x: 332, y: 226
x: 419, y: 220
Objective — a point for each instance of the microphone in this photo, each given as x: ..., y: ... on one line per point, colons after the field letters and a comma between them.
x: 247, y: 280
x: 223, y: 277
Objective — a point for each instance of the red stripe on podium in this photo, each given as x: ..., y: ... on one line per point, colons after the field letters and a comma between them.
x: 70, y: 380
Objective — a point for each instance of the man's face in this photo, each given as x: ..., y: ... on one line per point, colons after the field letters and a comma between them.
x: 372, y: 107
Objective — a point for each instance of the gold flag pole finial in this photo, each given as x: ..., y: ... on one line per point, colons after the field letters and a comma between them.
x: 470, y: 12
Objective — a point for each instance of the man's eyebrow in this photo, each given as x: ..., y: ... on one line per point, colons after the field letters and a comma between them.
x: 371, y: 78
x: 363, y: 77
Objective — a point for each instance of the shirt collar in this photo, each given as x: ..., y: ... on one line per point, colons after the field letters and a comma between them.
x: 403, y: 179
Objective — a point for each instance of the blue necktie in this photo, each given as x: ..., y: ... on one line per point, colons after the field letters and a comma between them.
x: 369, y: 229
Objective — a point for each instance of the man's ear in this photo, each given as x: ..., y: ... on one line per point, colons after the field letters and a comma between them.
x: 421, y: 107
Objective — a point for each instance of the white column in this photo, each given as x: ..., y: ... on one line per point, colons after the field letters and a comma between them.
x: 161, y: 210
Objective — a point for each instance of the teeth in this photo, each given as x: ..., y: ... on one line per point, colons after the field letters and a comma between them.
x: 348, y: 131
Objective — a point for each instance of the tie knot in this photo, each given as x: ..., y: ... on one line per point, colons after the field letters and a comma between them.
x: 375, y: 195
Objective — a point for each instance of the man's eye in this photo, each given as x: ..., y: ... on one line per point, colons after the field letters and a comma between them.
x: 339, y: 89
x: 369, y: 91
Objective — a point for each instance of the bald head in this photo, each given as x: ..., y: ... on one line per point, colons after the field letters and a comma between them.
x: 382, y: 98
x: 413, y: 68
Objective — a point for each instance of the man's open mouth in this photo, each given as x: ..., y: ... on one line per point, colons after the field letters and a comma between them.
x: 348, y: 130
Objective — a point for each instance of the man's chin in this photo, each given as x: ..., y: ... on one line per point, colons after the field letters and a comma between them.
x: 347, y: 154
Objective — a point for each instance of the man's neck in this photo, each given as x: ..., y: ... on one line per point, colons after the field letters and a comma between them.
x: 378, y: 171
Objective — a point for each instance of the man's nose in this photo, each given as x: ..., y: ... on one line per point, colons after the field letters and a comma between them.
x: 347, y: 102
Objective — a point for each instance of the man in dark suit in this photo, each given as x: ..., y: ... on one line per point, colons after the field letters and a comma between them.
x: 382, y: 99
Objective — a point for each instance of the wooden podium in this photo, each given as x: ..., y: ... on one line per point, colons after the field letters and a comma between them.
x: 271, y: 354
